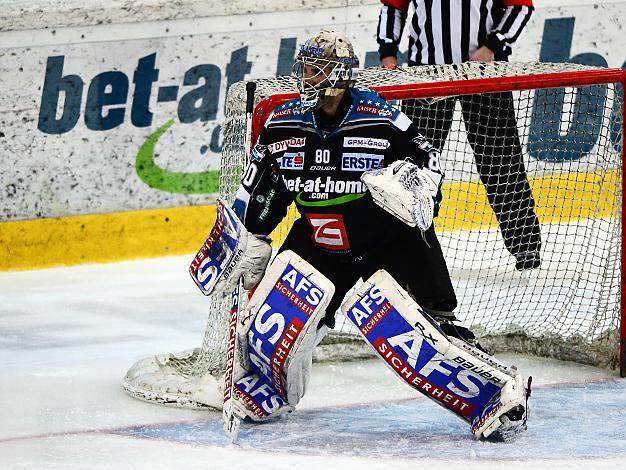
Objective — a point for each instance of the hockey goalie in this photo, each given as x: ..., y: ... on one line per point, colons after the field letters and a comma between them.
x: 367, y: 186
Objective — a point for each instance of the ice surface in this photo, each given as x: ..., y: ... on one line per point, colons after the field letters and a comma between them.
x: 67, y: 336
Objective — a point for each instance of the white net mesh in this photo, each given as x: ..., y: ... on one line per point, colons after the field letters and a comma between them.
x: 568, y: 139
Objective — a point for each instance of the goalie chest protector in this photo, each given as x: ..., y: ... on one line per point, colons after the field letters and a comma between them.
x: 294, y: 160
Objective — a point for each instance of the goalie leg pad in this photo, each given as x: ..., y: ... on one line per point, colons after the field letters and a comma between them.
x: 256, y: 399
x: 505, y: 417
x: 278, y: 333
x: 411, y: 344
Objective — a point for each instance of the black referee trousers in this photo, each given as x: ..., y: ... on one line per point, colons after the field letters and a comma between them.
x: 492, y: 133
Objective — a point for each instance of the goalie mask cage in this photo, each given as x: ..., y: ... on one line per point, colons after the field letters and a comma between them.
x: 570, y: 123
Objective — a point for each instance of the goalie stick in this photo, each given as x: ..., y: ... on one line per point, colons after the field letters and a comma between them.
x: 231, y: 421
x: 215, y: 260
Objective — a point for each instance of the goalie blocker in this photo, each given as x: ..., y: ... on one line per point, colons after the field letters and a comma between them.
x: 473, y: 385
x: 229, y: 253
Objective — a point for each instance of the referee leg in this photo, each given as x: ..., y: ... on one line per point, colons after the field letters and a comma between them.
x: 492, y: 132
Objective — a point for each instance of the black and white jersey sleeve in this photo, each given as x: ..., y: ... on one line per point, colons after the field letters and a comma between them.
x: 508, y: 27
x: 262, y: 200
x: 391, y: 21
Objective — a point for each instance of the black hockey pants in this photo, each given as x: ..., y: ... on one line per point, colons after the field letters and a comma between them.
x: 418, y: 267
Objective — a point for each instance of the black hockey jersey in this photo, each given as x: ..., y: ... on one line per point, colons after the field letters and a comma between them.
x: 295, y: 160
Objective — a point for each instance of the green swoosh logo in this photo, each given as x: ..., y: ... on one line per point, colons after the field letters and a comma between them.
x: 205, y: 182
x: 329, y: 202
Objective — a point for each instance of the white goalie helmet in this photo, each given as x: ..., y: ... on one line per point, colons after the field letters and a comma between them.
x: 325, y: 67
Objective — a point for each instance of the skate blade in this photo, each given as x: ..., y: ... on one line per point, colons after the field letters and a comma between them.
x: 507, y: 435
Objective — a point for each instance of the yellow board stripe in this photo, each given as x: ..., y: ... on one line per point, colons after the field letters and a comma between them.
x: 32, y: 244
x: 559, y: 197
x: 43, y: 243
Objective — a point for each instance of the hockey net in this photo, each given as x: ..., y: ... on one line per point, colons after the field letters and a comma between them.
x: 570, y: 124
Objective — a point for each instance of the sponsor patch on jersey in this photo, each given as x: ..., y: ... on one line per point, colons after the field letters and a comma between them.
x: 361, y: 161
x: 267, y: 201
x: 326, y: 185
x: 365, y: 142
x: 258, y: 152
x: 374, y: 110
x: 283, y: 112
x: 365, y: 109
x: 322, y: 168
x: 291, y: 161
x: 329, y: 231
x: 285, y: 144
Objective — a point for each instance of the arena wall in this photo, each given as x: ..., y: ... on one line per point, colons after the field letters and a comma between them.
x: 111, y: 111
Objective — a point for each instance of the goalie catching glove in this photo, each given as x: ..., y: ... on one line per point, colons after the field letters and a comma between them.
x: 404, y: 190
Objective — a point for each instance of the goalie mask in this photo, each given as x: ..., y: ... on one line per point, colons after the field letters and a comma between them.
x: 324, y: 67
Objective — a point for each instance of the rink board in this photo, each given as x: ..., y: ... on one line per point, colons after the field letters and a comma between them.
x: 161, y: 232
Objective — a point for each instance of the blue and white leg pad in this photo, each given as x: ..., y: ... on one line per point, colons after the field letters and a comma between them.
x: 277, y: 333
x: 469, y: 383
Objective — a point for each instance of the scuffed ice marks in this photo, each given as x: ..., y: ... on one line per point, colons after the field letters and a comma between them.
x: 565, y: 422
